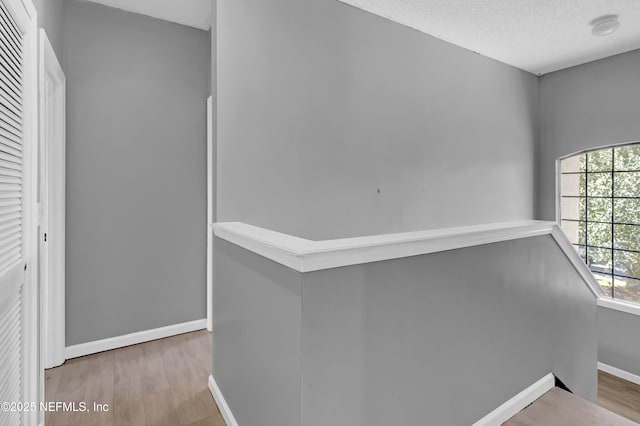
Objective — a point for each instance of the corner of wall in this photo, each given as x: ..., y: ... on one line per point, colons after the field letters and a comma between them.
x: 537, y: 141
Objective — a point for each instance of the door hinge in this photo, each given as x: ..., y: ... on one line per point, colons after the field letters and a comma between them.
x: 45, y: 237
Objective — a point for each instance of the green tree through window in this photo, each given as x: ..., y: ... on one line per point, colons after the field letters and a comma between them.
x: 600, y: 211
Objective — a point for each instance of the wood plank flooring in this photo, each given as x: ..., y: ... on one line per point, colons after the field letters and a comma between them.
x: 619, y: 396
x: 618, y: 400
x: 158, y: 383
x: 560, y: 408
x: 164, y: 382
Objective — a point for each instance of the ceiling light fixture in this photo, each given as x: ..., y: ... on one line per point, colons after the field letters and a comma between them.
x: 604, y: 25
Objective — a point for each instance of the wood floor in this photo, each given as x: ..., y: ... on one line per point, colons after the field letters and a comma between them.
x: 164, y: 382
x: 560, y: 408
x: 618, y: 404
x: 159, y: 383
x: 619, y: 396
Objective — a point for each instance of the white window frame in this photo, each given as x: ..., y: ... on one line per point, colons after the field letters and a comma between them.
x: 604, y: 300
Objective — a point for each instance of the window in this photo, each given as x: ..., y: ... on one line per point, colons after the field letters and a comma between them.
x: 600, y: 214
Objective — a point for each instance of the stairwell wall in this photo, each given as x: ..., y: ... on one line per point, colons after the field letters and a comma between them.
x: 585, y: 107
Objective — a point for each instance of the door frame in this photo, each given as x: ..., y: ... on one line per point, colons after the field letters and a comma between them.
x: 210, y: 214
x: 51, y: 239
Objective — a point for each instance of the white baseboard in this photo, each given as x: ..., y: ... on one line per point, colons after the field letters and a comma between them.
x: 518, y: 402
x: 227, y: 415
x: 629, y: 377
x: 89, y: 348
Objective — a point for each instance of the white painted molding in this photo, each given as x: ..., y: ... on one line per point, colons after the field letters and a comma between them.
x: 227, y: 415
x: 89, y: 348
x: 210, y: 189
x: 306, y: 255
x: 52, y: 165
x: 625, y: 375
x: 282, y: 248
x: 619, y: 305
x: 577, y: 262
x: 518, y: 402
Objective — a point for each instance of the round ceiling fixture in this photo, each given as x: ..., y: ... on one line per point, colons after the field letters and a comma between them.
x: 604, y: 25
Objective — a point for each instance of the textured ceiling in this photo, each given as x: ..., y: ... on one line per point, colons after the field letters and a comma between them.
x: 538, y: 36
x: 193, y: 13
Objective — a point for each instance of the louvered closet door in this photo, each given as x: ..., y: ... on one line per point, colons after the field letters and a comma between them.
x: 11, y: 212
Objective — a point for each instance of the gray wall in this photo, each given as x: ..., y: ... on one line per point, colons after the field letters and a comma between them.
x: 321, y: 105
x: 618, y: 344
x: 590, y: 106
x: 257, y: 356
x: 136, y: 172
x: 50, y: 17
x: 436, y: 339
x: 450, y: 336
x: 587, y: 106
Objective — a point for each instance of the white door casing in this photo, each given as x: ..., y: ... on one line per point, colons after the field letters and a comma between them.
x: 210, y: 194
x: 52, y: 148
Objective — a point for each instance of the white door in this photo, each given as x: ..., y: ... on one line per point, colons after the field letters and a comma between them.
x: 51, y: 196
x: 18, y: 132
